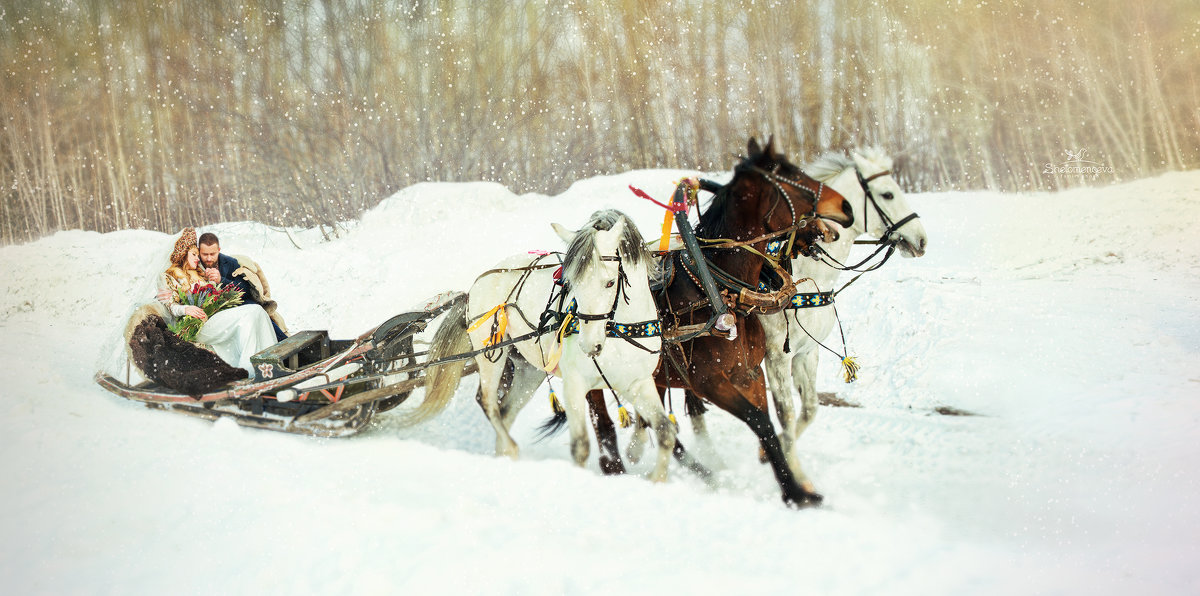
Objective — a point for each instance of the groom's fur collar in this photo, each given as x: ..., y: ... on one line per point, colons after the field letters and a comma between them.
x: 254, y: 275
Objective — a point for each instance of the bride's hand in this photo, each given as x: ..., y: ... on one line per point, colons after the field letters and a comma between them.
x: 195, y: 311
x: 165, y: 295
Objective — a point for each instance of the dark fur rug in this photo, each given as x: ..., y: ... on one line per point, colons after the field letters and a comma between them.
x: 172, y: 362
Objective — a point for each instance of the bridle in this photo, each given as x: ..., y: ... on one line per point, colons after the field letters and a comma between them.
x: 789, y: 249
x: 798, y: 224
x: 622, y: 283
x: 886, y: 241
x: 892, y: 227
x: 566, y: 320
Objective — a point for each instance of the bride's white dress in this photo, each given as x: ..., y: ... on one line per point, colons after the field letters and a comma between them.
x: 234, y: 334
x: 238, y: 333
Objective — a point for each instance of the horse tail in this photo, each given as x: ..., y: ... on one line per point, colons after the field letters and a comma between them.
x: 692, y: 404
x: 441, y: 382
x: 552, y: 426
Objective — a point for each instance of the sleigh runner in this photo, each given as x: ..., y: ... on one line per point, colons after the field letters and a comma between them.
x: 309, y: 383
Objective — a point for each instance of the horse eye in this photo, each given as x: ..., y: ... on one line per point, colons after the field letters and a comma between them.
x: 888, y: 196
x: 610, y: 284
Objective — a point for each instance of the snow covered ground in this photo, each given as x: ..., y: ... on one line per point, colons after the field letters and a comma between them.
x: 1068, y: 322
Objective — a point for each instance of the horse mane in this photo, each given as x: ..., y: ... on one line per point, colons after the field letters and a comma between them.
x: 581, y: 253
x: 714, y: 221
x: 877, y: 156
x: 717, y: 219
x: 829, y: 165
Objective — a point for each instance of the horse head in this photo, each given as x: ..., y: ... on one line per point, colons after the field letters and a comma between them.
x: 594, y: 276
x: 812, y: 204
x: 886, y: 214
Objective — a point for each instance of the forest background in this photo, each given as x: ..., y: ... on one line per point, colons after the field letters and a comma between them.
x: 157, y: 114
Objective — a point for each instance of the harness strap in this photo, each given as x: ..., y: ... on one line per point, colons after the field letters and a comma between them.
x: 727, y: 243
x: 850, y: 364
x: 622, y: 413
x: 625, y: 331
x: 527, y: 268
x: 811, y: 300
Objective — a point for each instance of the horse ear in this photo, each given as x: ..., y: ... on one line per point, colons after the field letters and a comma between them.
x: 770, y: 148
x: 618, y: 230
x: 752, y: 149
x: 566, y: 235
x: 610, y: 238
x: 863, y: 164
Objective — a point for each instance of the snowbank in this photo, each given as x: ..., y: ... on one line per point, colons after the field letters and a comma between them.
x: 1069, y: 322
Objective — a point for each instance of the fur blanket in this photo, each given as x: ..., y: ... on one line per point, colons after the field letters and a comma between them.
x: 172, y: 362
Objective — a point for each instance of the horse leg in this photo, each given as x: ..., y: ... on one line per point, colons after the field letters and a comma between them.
x: 644, y: 398
x: 574, y: 401
x: 639, y: 438
x: 684, y: 457
x: 748, y: 404
x: 779, y: 379
x: 637, y: 441
x: 525, y: 379
x: 575, y: 405
x: 804, y: 374
x: 695, y: 411
x: 490, y: 377
x: 606, y: 434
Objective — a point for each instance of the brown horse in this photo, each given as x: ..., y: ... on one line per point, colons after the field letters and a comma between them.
x: 767, y: 194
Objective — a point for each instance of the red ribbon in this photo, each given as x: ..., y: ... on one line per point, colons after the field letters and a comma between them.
x: 676, y: 207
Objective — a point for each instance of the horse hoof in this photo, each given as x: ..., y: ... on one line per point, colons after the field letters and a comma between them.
x: 513, y: 452
x: 804, y: 500
x: 611, y: 467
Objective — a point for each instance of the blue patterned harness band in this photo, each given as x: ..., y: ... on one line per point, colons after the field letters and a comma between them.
x: 811, y: 300
x: 629, y: 330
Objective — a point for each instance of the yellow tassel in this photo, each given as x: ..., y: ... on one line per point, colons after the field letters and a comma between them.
x: 850, y: 369
x: 554, y: 403
x: 623, y: 414
x: 674, y: 422
x: 552, y: 360
x: 501, y: 315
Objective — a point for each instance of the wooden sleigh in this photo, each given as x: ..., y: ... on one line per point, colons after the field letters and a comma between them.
x: 311, y: 384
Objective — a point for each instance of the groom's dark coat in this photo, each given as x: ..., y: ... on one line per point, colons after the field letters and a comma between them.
x: 250, y: 280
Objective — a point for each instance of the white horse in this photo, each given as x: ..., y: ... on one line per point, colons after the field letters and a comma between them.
x: 605, y: 292
x: 881, y: 212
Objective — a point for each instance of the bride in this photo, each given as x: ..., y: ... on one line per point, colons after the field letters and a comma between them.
x: 234, y: 334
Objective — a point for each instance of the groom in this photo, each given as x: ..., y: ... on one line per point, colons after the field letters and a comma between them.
x: 243, y: 274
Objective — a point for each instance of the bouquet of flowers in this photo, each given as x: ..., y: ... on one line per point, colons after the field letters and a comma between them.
x: 212, y: 298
